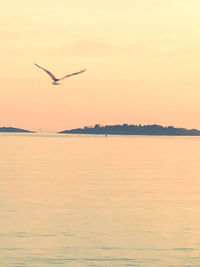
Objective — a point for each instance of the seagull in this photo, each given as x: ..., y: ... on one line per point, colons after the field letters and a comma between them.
x: 55, y: 80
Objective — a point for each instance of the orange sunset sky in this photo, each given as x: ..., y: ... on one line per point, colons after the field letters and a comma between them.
x: 142, y: 59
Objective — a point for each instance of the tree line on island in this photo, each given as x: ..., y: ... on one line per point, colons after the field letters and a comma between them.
x: 131, y: 129
x: 125, y: 129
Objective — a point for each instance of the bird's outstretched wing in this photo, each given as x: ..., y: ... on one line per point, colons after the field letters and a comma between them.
x: 75, y: 73
x: 48, y: 72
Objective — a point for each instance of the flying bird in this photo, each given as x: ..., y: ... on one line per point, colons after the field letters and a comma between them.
x: 55, y: 80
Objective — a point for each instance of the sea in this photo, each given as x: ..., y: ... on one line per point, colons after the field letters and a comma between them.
x: 92, y: 200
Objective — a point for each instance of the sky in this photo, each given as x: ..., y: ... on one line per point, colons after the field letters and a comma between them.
x: 142, y: 59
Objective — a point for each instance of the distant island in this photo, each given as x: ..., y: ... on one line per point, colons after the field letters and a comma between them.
x: 132, y: 129
x: 13, y: 130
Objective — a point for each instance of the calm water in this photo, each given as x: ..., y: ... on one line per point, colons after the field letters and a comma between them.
x: 97, y: 201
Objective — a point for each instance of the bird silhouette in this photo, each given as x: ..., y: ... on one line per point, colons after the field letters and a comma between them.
x: 57, y: 81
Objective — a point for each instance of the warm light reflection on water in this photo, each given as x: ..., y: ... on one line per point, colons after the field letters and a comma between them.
x: 97, y: 201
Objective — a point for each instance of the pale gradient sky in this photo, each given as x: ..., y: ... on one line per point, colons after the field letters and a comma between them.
x: 142, y: 59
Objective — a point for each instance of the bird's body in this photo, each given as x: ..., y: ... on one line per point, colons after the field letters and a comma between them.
x: 55, y: 80
x: 58, y: 82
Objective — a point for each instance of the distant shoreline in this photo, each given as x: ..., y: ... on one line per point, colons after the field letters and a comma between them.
x: 126, y: 129
x: 14, y: 130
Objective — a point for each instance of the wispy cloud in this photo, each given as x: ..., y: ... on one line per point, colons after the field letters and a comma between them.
x: 163, y: 46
